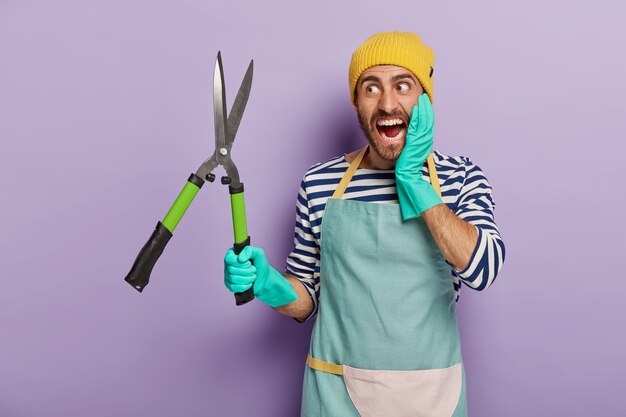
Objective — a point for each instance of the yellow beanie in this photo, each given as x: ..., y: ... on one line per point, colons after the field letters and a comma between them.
x: 403, y: 49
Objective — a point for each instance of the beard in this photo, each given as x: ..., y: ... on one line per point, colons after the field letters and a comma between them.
x: 386, y: 151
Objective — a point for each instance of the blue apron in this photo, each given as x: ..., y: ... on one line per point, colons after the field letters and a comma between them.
x: 385, y: 342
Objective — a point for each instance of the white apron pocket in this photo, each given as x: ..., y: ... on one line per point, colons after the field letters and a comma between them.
x: 424, y: 393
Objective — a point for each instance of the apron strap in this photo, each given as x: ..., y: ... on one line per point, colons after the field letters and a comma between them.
x: 320, y: 365
x: 347, y: 176
x: 432, y: 173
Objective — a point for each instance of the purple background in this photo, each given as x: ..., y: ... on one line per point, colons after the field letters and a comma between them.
x: 106, y: 107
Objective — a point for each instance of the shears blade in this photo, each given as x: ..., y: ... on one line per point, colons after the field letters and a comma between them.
x: 236, y: 112
x: 219, y: 104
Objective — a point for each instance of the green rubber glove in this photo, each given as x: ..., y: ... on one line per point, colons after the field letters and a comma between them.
x: 415, y: 194
x: 250, y: 268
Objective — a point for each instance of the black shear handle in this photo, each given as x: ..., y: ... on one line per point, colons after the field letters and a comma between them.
x: 242, y: 298
x: 139, y: 274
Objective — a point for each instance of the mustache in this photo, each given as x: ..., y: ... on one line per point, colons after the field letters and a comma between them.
x: 381, y: 113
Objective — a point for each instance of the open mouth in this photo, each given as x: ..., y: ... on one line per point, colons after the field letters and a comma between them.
x: 391, y: 130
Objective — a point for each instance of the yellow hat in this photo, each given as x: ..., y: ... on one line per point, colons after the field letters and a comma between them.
x: 403, y: 49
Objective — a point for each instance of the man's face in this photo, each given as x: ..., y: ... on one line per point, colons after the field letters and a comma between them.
x: 385, y: 96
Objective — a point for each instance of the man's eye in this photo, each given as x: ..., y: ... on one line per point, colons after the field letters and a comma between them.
x: 372, y: 89
x: 403, y: 87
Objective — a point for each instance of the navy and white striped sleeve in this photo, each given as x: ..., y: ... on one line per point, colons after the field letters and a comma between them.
x: 305, y: 255
x: 475, y: 205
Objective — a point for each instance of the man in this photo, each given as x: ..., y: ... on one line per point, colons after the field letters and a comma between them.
x: 402, y: 229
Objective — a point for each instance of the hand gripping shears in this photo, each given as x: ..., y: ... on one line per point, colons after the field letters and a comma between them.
x: 226, y: 125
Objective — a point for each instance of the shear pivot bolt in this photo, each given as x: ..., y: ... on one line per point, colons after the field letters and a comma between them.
x: 223, y: 151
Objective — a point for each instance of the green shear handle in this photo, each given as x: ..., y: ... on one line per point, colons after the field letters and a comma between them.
x: 226, y: 126
x: 139, y: 274
x: 242, y: 239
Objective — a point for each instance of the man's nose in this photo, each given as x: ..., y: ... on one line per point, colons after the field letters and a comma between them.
x: 388, y: 101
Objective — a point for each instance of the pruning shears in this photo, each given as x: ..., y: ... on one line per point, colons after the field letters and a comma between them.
x: 226, y: 125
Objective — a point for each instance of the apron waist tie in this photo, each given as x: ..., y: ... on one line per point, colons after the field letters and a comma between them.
x: 323, y: 366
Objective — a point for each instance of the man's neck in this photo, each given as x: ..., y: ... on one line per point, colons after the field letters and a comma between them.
x: 371, y: 160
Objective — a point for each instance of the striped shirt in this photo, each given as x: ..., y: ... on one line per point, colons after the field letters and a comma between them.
x: 464, y: 190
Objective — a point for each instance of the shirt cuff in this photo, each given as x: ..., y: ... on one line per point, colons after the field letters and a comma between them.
x: 468, y: 271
